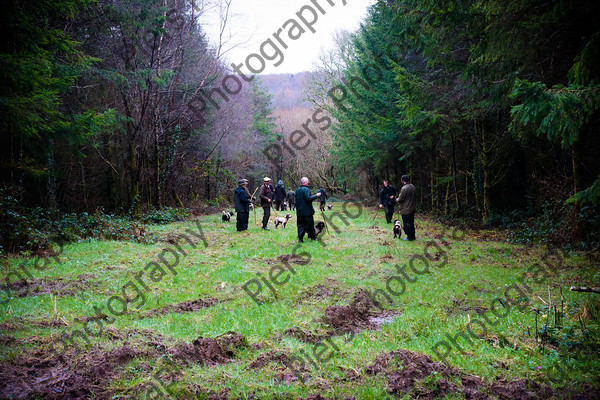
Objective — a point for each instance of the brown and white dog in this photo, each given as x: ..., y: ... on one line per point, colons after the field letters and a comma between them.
x: 329, y: 206
x: 282, y: 220
x: 319, y: 228
x: 397, y: 228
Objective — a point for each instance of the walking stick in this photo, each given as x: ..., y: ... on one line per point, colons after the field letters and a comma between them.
x: 254, y: 208
x: 325, y: 221
x: 379, y: 209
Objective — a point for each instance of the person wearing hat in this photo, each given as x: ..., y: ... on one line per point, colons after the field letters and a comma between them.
x: 266, y: 198
x: 279, y: 195
x: 242, y: 205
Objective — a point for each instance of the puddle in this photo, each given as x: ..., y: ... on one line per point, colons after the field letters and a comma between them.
x: 381, y: 319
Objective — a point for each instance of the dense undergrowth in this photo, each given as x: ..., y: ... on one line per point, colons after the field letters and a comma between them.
x: 36, y: 229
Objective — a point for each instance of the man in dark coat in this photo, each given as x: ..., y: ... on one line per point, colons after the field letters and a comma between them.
x: 305, y: 211
x: 242, y: 205
x: 266, y: 199
x: 291, y: 199
x: 408, y: 201
x: 386, y: 200
x: 279, y: 195
x: 322, y: 198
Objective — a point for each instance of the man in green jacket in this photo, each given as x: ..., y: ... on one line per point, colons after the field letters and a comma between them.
x: 408, y: 200
x: 242, y: 205
x: 305, y: 211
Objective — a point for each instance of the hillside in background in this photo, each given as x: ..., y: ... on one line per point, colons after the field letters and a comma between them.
x: 287, y: 90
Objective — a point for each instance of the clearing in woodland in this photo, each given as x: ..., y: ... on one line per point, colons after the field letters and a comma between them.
x: 458, y: 313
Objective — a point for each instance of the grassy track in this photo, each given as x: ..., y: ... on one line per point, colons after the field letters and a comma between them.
x: 361, y: 256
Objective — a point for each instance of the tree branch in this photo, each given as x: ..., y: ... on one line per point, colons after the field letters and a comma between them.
x: 585, y: 289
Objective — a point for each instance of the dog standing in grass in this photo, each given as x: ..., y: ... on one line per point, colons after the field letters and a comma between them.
x: 226, y: 216
x: 397, y: 228
x: 282, y: 220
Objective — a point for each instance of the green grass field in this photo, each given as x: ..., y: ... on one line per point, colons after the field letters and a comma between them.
x: 301, y: 342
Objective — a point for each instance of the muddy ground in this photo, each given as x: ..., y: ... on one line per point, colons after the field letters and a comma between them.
x: 88, y: 373
x: 81, y: 374
x: 180, y: 308
x: 58, y: 287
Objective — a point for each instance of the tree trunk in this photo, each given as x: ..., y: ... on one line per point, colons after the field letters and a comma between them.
x: 52, y: 203
x: 207, y: 181
x: 157, y: 192
x: 447, y: 193
x: 455, y: 173
x: 487, y: 200
x: 84, y: 186
x: 467, y: 191
x: 432, y: 178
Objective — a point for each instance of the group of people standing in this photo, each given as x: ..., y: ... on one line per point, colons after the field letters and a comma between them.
x: 407, y: 201
x: 276, y: 196
x: 300, y: 200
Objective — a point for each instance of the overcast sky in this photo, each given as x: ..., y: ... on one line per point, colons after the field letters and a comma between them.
x: 254, y: 21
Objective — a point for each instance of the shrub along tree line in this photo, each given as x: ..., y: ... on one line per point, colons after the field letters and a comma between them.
x: 99, y: 109
x: 491, y: 106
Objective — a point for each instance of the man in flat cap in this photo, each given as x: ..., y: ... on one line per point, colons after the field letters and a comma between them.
x: 242, y: 205
x: 266, y: 199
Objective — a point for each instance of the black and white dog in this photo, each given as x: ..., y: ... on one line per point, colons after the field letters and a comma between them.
x: 226, y: 216
x: 397, y: 228
x: 319, y: 227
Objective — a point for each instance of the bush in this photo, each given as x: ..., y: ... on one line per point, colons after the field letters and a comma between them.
x: 21, y: 229
x: 166, y: 215
x: 31, y: 229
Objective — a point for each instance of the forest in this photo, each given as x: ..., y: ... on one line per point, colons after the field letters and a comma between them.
x: 490, y: 106
x: 120, y: 108
x: 125, y: 130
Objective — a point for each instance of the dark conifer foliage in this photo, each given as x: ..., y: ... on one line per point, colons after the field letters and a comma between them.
x: 490, y: 106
